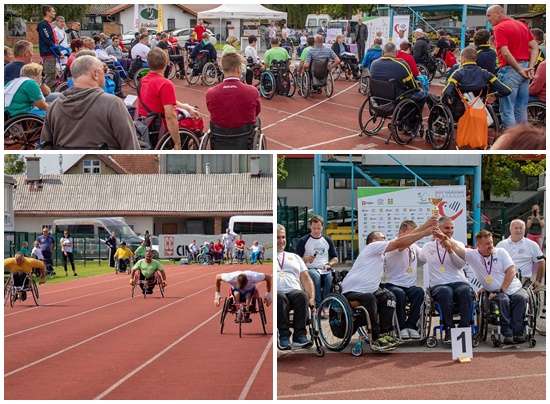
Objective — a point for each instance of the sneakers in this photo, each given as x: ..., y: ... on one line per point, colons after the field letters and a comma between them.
x: 443, y: 81
x: 23, y: 296
x: 447, y: 339
x: 390, y: 340
x: 413, y: 334
x: 66, y: 274
x: 324, y: 313
x: 404, y: 333
x: 520, y: 338
x: 284, y: 342
x: 508, y: 339
x: 302, y: 342
x: 75, y: 274
x: 380, y: 344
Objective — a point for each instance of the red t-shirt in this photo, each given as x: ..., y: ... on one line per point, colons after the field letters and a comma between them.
x: 218, y: 247
x: 514, y: 34
x: 199, y: 30
x: 239, y: 243
x: 156, y: 92
x: 232, y: 104
x: 410, y: 61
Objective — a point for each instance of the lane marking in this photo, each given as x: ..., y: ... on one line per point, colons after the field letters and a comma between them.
x: 256, y: 370
x: 408, y: 386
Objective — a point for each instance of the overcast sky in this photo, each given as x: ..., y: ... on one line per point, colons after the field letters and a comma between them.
x: 49, y: 163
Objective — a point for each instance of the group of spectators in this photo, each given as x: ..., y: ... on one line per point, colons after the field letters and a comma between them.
x: 230, y: 247
x: 383, y: 278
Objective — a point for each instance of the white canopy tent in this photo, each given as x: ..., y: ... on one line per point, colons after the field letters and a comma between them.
x: 241, y: 12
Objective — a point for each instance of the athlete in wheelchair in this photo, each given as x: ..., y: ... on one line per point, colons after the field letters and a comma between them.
x: 123, y: 256
x: 147, y: 273
x: 317, y: 68
x: 446, y: 110
x: 21, y: 280
x: 395, y: 95
x: 202, y: 63
x: 349, y: 64
x: 277, y: 79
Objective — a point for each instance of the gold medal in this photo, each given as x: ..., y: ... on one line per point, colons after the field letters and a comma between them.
x: 281, y: 273
x: 489, y: 280
x: 383, y: 278
x: 409, y: 270
x: 441, y: 270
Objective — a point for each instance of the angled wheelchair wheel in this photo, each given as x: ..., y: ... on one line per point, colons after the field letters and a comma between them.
x: 305, y: 84
x: 292, y: 80
x: 205, y: 142
x: 364, y: 81
x: 189, y: 75
x: 189, y: 141
x: 172, y: 71
x: 158, y: 280
x: 22, y: 132
x: 440, y: 68
x: 8, y: 289
x: 62, y: 87
x: 136, y: 283
x: 536, y: 114
x: 260, y: 142
x: 209, y: 74
x: 261, y: 310
x: 440, y: 127
x: 540, y: 302
x: 34, y: 291
x: 406, y: 121
x: 369, y: 123
x: 203, y: 259
x: 494, y: 129
x: 141, y: 73
x: 423, y: 70
x: 336, y: 72
x: 425, y: 323
x: 267, y: 85
x: 329, y: 88
x: 482, y: 316
x: 336, y: 331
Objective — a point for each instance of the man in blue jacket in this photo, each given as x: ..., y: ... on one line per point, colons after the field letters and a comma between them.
x: 47, y: 45
x: 202, y: 46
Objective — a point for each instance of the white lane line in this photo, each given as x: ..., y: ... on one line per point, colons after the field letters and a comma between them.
x: 101, y: 334
x: 254, y: 373
x: 136, y: 370
x: 409, y: 386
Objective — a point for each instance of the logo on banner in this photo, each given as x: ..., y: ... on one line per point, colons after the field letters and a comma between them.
x: 169, y: 245
x: 398, y: 27
x: 149, y: 13
x: 452, y: 210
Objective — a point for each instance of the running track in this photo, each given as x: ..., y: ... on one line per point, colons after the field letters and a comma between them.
x: 90, y: 340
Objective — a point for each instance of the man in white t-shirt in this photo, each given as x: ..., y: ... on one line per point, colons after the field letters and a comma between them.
x: 292, y: 274
x: 447, y: 280
x: 494, y: 269
x: 193, y: 250
x: 400, y: 38
x: 62, y: 38
x: 243, y: 285
x: 141, y: 48
x: 228, y: 240
x: 524, y: 252
x: 362, y: 283
x: 400, y: 279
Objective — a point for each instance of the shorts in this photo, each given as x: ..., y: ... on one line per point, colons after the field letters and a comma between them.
x: 229, y: 250
x: 243, y: 293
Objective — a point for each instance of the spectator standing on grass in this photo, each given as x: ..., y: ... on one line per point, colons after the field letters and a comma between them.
x: 67, y: 251
x: 112, y: 243
x: 47, y: 244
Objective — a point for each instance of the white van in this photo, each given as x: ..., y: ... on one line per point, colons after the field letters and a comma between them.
x: 251, y: 224
x: 315, y: 20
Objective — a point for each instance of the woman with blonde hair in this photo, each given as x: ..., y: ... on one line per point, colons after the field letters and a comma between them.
x: 23, y: 95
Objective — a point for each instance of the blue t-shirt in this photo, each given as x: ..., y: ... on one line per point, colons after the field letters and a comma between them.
x: 12, y: 71
x: 46, y: 242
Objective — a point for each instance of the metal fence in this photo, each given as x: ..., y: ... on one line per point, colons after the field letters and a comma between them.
x: 294, y: 218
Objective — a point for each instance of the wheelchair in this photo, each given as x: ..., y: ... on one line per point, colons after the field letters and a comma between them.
x: 277, y: 80
x: 205, y: 259
x: 240, y: 311
x: 364, y: 80
x: 204, y: 68
x: 350, y: 61
x: 124, y: 268
x: 313, y: 330
x: 431, y: 308
x: 160, y: 138
x: 22, y: 132
x: 11, y: 291
x: 235, y: 260
x: 318, y: 76
x: 536, y: 114
x: 137, y: 70
x: 442, y: 127
x: 256, y: 71
x: 246, y: 137
x: 383, y: 103
x: 145, y: 284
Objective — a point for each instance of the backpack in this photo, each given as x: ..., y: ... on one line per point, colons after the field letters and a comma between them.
x: 282, y: 77
x: 472, y: 128
x: 449, y: 58
x: 135, y: 66
x: 431, y: 65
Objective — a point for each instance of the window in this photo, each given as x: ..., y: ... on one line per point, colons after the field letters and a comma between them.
x: 171, y: 23
x: 181, y: 164
x: 91, y: 167
x: 219, y: 164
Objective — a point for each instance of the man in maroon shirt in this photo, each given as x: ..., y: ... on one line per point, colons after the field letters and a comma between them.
x: 232, y: 103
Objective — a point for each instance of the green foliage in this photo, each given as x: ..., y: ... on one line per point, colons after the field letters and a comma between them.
x: 14, y: 164
x: 281, y: 172
x: 538, y: 8
x: 533, y: 168
x: 348, y: 11
x: 34, y: 11
x: 297, y: 13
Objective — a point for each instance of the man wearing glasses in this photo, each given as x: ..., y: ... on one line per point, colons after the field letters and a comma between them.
x: 86, y: 109
x: 362, y: 283
x: 47, y: 244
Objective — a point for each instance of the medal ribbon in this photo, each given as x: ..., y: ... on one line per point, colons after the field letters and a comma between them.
x: 282, y: 262
x: 485, y: 264
x: 441, y: 260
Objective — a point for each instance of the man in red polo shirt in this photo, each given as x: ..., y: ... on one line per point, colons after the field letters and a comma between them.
x: 199, y: 29
x: 157, y: 94
x: 232, y: 103
x: 517, y: 52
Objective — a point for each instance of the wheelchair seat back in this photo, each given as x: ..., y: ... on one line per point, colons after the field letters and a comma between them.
x: 135, y: 65
x: 319, y: 72
x: 279, y: 68
x: 240, y: 138
x: 383, y: 96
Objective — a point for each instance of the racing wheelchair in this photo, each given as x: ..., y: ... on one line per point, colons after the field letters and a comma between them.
x: 277, y: 80
x: 245, y: 137
x: 383, y: 102
x: 12, y: 292
x: 315, y: 78
x: 204, y: 68
x: 147, y: 284
x: 22, y: 132
x: 242, y: 312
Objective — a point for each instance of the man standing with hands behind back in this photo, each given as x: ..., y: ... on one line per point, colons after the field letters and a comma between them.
x: 361, y: 36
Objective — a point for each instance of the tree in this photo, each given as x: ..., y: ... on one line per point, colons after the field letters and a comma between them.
x: 538, y: 8
x: 281, y: 172
x: 14, y: 164
x: 33, y: 12
x: 349, y: 11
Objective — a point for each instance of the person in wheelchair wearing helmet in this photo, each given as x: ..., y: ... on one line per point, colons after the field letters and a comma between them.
x: 21, y: 267
x: 243, y: 285
x: 147, y: 268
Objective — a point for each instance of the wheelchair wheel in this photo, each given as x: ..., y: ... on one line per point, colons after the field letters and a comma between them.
x: 136, y: 283
x: 406, y: 121
x: 536, y: 114
x: 423, y: 70
x: 364, y: 82
x: 540, y: 302
x: 141, y: 73
x: 494, y: 128
x: 8, y: 290
x: 292, y: 80
x: 34, y: 291
x: 440, y: 127
x: 329, y: 88
x: 260, y: 142
x: 209, y: 74
x: 205, y: 142
x: 203, y: 259
x: 261, y: 310
x: 189, y: 141
x: 22, y: 132
x: 305, y: 84
x: 441, y: 68
x: 189, y: 75
x: 336, y: 332
x: 336, y: 72
x: 425, y: 323
x: 370, y: 124
x: 158, y: 280
x: 482, y: 316
x: 172, y: 71
x: 62, y: 87
x: 267, y: 85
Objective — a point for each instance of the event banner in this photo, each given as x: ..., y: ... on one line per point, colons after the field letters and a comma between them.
x: 384, y: 208
x: 382, y: 24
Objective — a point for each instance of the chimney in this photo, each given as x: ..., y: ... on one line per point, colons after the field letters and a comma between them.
x: 207, y: 168
x: 255, y: 166
x: 33, y: 169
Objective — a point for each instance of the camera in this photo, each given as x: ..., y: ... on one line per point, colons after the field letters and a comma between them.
x: 534, y: 212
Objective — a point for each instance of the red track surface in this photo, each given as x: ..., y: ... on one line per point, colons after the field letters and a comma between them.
x: 89, y: 340
x: 416, y: 376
